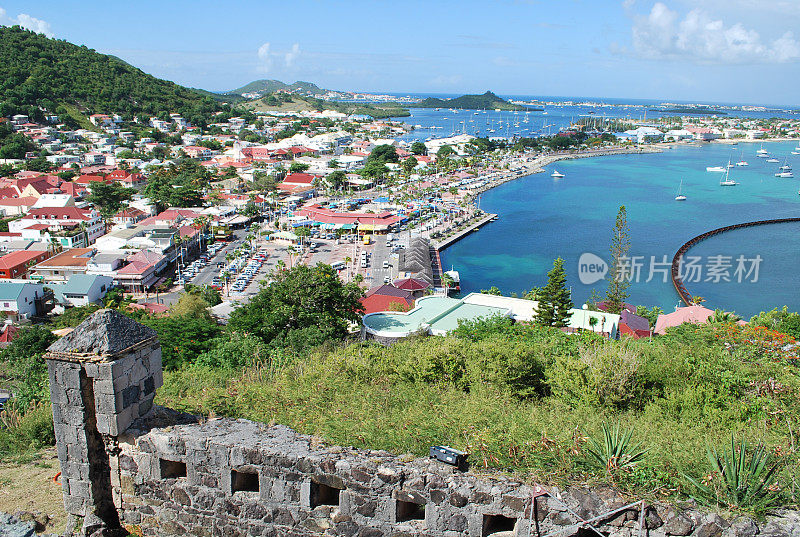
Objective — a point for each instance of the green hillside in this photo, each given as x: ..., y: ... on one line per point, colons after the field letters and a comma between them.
x: 487, y: 101
x: 271, y: 86
x: 287, y: 103
x: 39, y: 72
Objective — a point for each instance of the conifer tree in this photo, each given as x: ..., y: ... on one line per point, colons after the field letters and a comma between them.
x: 618, y: 275
x: 554, y: 298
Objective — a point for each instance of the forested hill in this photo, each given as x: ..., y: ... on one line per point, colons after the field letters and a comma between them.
x: 486, y: 101
x: 271, y: 86
x: 56, y: 75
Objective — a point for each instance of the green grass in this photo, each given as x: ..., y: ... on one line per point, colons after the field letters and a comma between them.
x: 523, y: 403
x: 79, y: 117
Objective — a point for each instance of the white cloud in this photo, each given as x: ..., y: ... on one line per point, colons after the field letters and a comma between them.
x: 266, y: 60
x: 697, y: 37
x: 292, y: 55
x: 26, y: 21
x: 37, y: 25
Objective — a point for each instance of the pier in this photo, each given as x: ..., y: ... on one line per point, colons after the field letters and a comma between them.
x: 685, y: 295
x: 444, y: 243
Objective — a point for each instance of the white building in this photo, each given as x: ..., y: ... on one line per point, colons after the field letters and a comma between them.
x: 18, y: 298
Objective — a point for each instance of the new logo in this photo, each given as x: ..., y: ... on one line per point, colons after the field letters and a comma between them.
x: 591, y: 268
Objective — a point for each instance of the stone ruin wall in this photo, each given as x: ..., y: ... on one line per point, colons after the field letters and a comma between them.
x: 229, y: 477
x: 127, y: 463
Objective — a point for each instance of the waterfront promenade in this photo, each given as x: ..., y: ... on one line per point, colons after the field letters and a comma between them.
x: 524, y: 167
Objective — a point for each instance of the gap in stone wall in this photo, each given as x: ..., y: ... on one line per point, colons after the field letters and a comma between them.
x: 497, y: 524
x: 172, y: 469
x: 244, y: 481
x: 410, y: 511
x: 323, y: 495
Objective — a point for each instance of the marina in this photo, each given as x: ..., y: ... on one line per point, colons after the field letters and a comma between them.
x: 542, y: 217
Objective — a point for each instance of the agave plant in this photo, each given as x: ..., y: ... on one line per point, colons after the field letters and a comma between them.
x: 615, y: 450
x: 742, y: 477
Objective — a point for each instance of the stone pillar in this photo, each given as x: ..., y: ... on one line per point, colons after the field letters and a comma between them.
x: 103, y: 377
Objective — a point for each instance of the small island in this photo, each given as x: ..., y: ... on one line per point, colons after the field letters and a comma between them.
x: 486, y: 101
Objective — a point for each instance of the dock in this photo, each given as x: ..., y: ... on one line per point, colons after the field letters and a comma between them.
x: 444, y: 243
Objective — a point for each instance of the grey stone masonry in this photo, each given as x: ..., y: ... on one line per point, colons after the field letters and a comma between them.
x: 103, y: 377
x: 126, y: 462
x: 227, y: 477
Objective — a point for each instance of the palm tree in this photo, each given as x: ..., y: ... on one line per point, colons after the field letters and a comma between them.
x: 280, y: 265
x: 697, y: 300
x: 448, y: 282
x: 291, y: 250
x: 592, y: 322
x: 723, y: 317
x: 347, y: 261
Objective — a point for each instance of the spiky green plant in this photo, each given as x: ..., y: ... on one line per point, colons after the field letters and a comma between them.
x: 742, y: 477
x: 614, y: 450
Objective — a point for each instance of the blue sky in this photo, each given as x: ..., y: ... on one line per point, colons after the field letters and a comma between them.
x: 701, y: 50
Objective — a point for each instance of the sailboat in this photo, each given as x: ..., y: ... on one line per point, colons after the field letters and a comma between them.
x: 742, y: 162
x: 728, y: 181
x: 556, y: 174
x: 680, y: 197
x: 762, y: 153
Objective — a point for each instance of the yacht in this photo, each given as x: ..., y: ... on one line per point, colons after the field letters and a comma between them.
x: 728, y: 181
x: 456, y: 279
x: 715, y: 169
x: 557, y: 174
x: 680, y: 197
x: 742, y: 163
x: 772, y: 160
x: 784, y: 174
x: 762, y: 152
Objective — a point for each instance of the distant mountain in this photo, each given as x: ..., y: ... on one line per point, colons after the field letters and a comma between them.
x: 488, y: 101
x: 37, y: 72
x: 271, y: 86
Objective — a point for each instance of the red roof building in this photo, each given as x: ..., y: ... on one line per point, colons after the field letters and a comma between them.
x: 16, y: 264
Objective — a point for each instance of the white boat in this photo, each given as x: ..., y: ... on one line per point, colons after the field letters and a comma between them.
x: 715, y: 169
x: 728, y: 181
x: 680, y: 197
x: 772, y: 160
x: 556, y: 174
x: 456, y: 279
x: 795, y: 152
x: 784, y: 174
x: 742, y: 163
x: 785, y: 167
x: 762, y: 151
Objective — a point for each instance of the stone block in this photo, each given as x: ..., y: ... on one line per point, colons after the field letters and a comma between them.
x: 74, y: 505
x: 58, y: 395
x: 103, y: 385
x: 305, y: 493
x: 106, y: 404
x: 91, y: 369
x: 107, y: 424
x: 78, y: 488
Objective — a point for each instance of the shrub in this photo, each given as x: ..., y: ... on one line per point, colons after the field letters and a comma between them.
x: 614, y: 450
x: 23, y: 431
x: 740, y: 477
x: 603, y: 375
x: 234, y: 352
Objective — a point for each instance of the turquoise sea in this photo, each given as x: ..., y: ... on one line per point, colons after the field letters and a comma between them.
x: 542, y: 218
